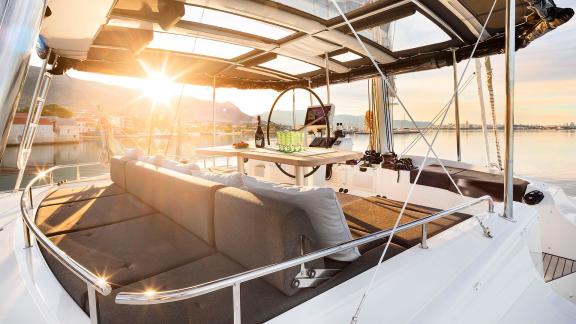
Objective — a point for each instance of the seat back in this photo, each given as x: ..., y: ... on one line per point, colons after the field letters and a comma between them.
x: 256, y: 231
x: 187, y: 200
x: 117, y: 173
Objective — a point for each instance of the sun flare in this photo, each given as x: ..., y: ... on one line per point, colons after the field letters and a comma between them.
x: 157, y: 87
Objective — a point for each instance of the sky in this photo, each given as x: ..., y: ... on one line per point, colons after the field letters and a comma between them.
x: 545, y: 86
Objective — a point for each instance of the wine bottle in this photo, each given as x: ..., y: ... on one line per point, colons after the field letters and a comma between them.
x: 259, y: 136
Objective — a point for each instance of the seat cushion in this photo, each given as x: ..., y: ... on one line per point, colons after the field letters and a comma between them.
x: 90, y: 213
x: 127, y: 252
x: 77, y: 193
x: 472, y: 183
x: 434, y: 176
x: 259, y: 301
x: 477, y: 184
x: 369, y: 215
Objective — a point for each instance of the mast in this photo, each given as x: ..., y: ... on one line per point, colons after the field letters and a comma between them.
x: 381, y: 100
x: 509, y: 122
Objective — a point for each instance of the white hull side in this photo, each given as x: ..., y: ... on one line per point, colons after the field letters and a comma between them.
x: 31, y: 292
x: 463, y: 278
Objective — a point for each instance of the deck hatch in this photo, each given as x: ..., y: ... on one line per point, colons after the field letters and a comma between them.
x: 197, y: 45
x: 289, y: 65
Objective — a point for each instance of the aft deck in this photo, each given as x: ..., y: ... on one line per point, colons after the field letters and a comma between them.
x: 156, y: 229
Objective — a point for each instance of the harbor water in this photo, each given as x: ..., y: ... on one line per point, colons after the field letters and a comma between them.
x: 540, y: 155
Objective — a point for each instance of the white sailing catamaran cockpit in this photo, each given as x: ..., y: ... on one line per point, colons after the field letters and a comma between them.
x: 302, y: 228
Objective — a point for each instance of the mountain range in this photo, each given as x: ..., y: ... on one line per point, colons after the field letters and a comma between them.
x: 81, y: 95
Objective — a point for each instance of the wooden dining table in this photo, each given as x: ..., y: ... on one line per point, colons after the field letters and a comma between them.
x: 310, y: 157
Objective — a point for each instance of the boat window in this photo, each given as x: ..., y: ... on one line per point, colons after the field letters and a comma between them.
x: 346, y: 57
x: 410, y: 32
x: 324, y: 9
x: 196, y: 45
x: 289, y: 65
x: 235, y: 22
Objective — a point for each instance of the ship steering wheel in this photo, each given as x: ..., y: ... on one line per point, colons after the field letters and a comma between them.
x: 325, y: 116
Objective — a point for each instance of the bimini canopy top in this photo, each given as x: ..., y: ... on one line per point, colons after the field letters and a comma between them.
x: 270, y: 44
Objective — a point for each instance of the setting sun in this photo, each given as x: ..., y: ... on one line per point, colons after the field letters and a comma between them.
x: 157, y: 86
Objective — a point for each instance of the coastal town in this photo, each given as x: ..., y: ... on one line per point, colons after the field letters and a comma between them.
x: 84, y: 125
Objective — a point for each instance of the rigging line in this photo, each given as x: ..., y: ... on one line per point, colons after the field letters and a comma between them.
x: 382, y: 75
x: 482, y: 109
x: 404, y: 205
x: 430, y: 148
x: 428, y: 127
x: 489, y: 78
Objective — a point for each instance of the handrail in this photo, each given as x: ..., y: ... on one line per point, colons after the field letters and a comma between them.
x: 92, y: 280
x: 149, y: 298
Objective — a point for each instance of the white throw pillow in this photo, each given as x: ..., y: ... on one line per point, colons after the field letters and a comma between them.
x: 232, y: 179
x: 186, y: 168
x: 157, y: 160
x: 133, y: 153
x: 169, y: 164
x: 320, y: 204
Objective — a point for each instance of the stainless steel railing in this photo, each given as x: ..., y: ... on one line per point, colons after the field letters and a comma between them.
x: 93, y: 282
x: 149, y: 297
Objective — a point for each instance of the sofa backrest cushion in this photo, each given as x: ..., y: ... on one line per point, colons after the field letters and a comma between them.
x: 321, y: 205
x: 187, y: 200
x: 117, y: 173
x: 257, y: 231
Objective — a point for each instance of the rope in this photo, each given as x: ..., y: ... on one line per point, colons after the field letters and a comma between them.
x: 482, y: 109
x: 489, y: 79
x: 430, y: 148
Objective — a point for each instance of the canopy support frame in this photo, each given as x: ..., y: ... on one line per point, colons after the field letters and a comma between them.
x: 510, y: 61
x: 456, y: 106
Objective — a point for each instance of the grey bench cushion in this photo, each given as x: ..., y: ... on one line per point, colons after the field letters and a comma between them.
x: 470, y: 182
x: 257, y: 231
x: 84, y: 214
x: 128, y: 252
x: 187, y: 200
x: 78, y: 193
x: 259, y: 300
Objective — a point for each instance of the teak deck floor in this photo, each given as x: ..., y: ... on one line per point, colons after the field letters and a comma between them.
x: 557, y: 267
